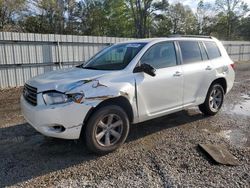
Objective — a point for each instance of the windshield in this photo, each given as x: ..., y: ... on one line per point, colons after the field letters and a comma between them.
x: 116, y: 57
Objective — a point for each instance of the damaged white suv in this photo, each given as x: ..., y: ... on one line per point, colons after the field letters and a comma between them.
x: 127, y: 83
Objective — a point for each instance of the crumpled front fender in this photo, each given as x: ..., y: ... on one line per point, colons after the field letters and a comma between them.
x: 95, y: 91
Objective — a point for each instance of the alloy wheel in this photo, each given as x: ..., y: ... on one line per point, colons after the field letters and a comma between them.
x: 215, y: 99
x: 109, y: 130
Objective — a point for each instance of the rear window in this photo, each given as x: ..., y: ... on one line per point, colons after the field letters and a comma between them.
x: 190, y: 51
x: 212, y: 50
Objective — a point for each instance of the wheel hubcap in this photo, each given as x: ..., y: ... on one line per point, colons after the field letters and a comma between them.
x: 215, y: 99
x: 109, y: 130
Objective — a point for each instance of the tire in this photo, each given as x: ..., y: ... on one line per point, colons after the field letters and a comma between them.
x: 213, y: 104
x: 107, y: 129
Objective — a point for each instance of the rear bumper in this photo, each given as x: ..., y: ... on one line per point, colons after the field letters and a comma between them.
x: 230, y: 78
x: 45, y: 118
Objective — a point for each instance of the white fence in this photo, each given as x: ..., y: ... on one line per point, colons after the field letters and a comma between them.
x: 24, y: 55
x: 238, y: 50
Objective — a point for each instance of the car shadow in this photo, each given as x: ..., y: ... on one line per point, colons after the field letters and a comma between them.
x: 166, y: 122
x: 26, y: 154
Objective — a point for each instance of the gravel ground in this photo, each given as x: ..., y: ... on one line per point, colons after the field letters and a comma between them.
x: 158, y: 153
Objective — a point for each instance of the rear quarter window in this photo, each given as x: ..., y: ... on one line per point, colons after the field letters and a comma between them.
x: 212, y: 50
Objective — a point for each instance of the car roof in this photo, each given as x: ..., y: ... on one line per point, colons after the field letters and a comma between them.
x: 148, y: 40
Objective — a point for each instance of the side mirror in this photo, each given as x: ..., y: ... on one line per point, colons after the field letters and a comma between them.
x: 145, y: 68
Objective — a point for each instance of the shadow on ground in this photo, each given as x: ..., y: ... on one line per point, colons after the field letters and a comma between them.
x: 26, y: 154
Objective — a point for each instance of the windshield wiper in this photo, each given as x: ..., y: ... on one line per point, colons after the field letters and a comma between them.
x: 79, y: 66
x: 82, y: 66
x: 92, y: 68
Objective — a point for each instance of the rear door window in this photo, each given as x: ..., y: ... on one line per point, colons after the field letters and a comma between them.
x: 190, y: 51
x: 212, y: 49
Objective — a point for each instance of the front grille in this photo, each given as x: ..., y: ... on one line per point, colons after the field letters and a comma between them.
x: 30, y: 94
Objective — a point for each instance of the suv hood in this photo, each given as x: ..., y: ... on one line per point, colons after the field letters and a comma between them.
x: 63, y: 80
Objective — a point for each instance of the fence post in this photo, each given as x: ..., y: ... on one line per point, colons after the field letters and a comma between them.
x: 240, y: 52
x: 243, y: 50
x: 59, y: 54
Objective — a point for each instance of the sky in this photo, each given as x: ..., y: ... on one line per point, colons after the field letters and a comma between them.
x: 193, y: 3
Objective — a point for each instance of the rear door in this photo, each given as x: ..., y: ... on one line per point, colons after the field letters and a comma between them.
x: 197, y: 71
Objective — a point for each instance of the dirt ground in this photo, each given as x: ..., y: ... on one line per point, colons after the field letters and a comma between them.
x: 158, y: 153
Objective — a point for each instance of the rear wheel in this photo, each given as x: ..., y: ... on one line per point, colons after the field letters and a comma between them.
x: 214, y: 100
x: 107, y: 129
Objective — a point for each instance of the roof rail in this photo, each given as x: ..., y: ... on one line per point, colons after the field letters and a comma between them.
x: 190, y: 36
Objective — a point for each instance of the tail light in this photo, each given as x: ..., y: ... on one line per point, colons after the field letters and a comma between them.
x: 233, y: 65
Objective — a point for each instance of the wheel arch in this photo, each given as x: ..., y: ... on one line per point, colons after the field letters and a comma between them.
x: 204, y: 107
x: 222, y: 81
x: 120, y: 101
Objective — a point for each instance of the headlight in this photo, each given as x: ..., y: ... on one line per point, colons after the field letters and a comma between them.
x: 59, y: 98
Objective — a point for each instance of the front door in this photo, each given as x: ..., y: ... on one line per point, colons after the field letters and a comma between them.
x: 162, y: 93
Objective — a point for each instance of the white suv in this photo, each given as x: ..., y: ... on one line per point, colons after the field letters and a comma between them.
x: 127, y: 83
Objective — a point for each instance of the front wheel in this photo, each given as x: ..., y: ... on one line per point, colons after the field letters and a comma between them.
x: 107, y: 129
x: 214, y: 100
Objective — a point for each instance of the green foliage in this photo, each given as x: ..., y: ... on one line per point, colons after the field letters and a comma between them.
x: 118, y: 22
x: 50, y: 13
x: 143, y: 13
x: 230, y: 12
x: 182, y: 18
x: 8, y: 10
x: 225, y: 19
x: 244, y: 28
x: 162, y: 26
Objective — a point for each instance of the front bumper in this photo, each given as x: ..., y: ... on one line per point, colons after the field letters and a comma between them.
x: 44, y: 118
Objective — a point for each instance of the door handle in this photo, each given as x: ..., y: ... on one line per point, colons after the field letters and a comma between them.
x: 208, y: 68
x: 177, y: 73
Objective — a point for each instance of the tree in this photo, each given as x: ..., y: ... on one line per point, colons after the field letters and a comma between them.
x: 119, y: 22
x: 230, y: 11
x: 142, y: 12
x: 49, y: 16
x: 71, y: 17
x: 183, y: 19
x: 225, y: 19
x: 204, y: 18
x: 244, y: 28
x: 161, y: 26
x: 10, y: 12
x: 35, y: 24
x: 91, y: 17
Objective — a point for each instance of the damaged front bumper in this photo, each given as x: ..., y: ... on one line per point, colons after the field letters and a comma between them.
x: 60, y: 121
